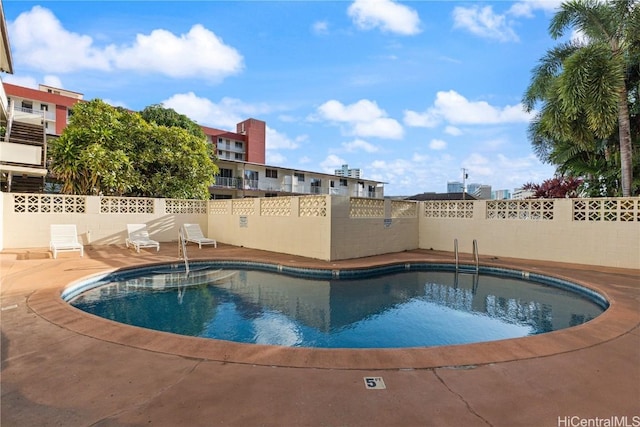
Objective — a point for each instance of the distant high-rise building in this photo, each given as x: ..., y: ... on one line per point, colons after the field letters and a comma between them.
x: 455, y: 187
x: 473, y: 187
x: 349, y: 173
x: 520, y: 194
x: 501, y: 195
x: 480, y: 191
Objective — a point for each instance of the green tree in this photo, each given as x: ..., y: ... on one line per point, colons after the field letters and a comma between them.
x: 168, y: 117
x: 583, y: 85
x: 92, y: 155
x: 113, y: 151
x: 175, y: 164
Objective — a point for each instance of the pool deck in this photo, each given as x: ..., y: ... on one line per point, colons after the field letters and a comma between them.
x: 63, y: 367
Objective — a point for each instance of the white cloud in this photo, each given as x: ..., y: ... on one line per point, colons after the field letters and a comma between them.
x: 453, y: 131
x: 408, y: 177
x: 384, y: 14
x: 24, y: 81
x: 437, y: 144
x: 494, y: 144
x: 331, y: 163
x: 502, y: 171
x: 275, y: 158
x: 359, y: 145
x: 115, y: 103
x: 199, y: 53
x: 31, y: 82
x: 39, y: 41
x: 419, y: 158
x: 454, y: 108
x: 54, y: 81
x: 527, y: 7
x: 478, y: 166
x: 428, y: 119
x: 484, y: 22
x: 279, y: 141
x: 364, y: 118
x: 224, y: 114
x: 320, y: 27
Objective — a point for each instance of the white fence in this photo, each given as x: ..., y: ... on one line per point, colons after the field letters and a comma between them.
x: 584, y: 231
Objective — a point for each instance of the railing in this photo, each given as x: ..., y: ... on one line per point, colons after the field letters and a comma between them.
x: 29, y: 111
x: 222, y: 181
x: 230, y: 148
x: 455, y: 252
x: 182, y: 250
x: 475, y: 254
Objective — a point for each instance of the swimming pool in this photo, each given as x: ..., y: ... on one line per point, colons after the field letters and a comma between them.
x: 406, y: 305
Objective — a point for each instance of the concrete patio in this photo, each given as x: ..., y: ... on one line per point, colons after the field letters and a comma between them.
x: 63, y: 367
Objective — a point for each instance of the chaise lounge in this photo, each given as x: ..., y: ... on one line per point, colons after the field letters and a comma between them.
x: 193, y: 233
x: 138, y: 237
x: 64, y: 238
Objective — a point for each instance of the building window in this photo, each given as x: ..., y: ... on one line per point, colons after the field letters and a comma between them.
x: 27, y: 105
x: 227, y: 173
x: 316, y: 186
x: 251, y: 175
x: 44, y: 107
x: 250, y: 180
x: 239, y: 156
x: 300, y: 176
x: 239, y: 145
x: 271, y: 173
x: 343, y: 183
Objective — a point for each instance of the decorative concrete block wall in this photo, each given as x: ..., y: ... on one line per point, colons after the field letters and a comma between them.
x: 603, y: 232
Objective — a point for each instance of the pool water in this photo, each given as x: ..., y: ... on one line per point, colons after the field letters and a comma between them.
x: 402, y: 309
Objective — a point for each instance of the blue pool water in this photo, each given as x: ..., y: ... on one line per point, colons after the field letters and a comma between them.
x: 384, y: 309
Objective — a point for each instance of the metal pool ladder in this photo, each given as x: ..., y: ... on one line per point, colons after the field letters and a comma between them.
x: 182, y: 250
x: 475, y: 254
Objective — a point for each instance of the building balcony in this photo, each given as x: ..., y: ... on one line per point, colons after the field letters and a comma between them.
x: 272, y: 186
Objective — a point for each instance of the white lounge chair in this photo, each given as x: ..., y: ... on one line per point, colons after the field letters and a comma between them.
x: 139, y: 237
x: 64, y: 238
x: 193, y: 233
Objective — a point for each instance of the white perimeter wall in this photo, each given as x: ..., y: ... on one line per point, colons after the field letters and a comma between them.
x: 99, y: 220
x: 585, y: 231
x: 291, y: 225
x: 602, y: 232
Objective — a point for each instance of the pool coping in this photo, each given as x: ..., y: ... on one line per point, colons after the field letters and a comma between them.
x: 606, y: 327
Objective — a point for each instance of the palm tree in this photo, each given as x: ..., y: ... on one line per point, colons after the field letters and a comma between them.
x: 583, y: 83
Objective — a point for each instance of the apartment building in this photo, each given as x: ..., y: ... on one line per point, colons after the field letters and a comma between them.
x: 520, y: 194
x: 46, y: 105
x: 246, y: 144
x: 501, y: 195
x: 480, y: 191
x: 31, y: 116
x: 241, y: 154
x: 238, y: 179
x: 345, y: 171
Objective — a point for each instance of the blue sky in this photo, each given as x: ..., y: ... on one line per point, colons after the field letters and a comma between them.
x: 409, y: 92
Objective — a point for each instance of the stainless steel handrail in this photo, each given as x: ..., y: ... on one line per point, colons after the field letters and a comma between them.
x: 455, y: 251
x: 475, y: 254
x: 182, y: 250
